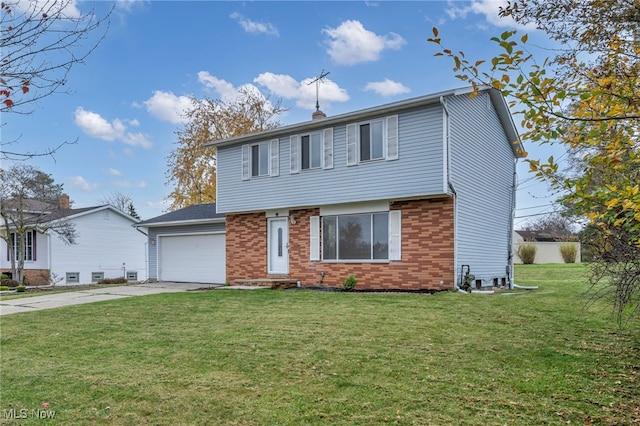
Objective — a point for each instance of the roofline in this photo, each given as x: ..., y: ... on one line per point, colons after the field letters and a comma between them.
x: 496, y: 98
x: 346, y: 117
x: 93, y: 210
x: 179, y: 222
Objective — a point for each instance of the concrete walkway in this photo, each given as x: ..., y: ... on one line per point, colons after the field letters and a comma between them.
x: 67, y: 298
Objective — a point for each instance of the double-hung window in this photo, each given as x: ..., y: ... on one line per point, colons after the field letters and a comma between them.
x: 311, y: 151
x: 372, y: 140
x: 311, y: 148
x: 260, y: 159
x: 29, y: 245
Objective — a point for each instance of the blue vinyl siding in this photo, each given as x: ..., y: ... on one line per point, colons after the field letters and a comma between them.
x: 175, y: 230
x: 417, y: 172
x: 482, y: 168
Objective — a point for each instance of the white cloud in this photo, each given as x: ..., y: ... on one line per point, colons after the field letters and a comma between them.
x: 387, y: 87
x: 68, y: 9
x: 488, y: 8
x: 114, y: 172
x: 94, y: 125
x: 225, y: 89
x: 302, y: 92
x: 82, y: 183
x: 168, y: 107
x: 253, y: 26
x: 137, y: 139
x: 350, y: 43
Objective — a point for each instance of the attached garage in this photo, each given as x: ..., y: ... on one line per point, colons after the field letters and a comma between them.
x: 187, y: 245
x: 196, y: 258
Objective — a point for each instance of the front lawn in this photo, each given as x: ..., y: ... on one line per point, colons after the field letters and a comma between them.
x: 292, y: 357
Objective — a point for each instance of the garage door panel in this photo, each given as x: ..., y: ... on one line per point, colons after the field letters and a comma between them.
x: 195, y: 258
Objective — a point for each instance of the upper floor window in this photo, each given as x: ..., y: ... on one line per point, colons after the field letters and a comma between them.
x: 311, y: 147
x: 311, y: 151
x: 260, y: 159
x: 372, y: 140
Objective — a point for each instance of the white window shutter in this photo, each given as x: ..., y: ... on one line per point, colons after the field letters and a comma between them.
x: 274, y: 148
x: 314, y: 240
x: 246, y: 158
x: 392, y: 137
x: 395, y: 234
x: 294, y: 142
x: 327, y: 142
x: 352, y: 144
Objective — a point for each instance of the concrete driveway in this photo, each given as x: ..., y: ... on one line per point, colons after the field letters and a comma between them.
x: 67, y: 298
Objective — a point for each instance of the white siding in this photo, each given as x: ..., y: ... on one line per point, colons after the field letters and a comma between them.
x: 103, y: 245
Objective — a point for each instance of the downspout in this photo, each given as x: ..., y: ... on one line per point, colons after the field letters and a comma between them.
x: 450, y: 187
x: 509, y: 266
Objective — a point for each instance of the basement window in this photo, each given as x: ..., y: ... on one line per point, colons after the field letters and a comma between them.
x: 132, y: 276
x: 72, y: 277
x: 97, y: 277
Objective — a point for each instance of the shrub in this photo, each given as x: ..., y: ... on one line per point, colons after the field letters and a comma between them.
x: 21, y: 288
x: 569, y: 252
x: 121, y: 280
x: 350, y: 283
x: 4, y: 287
x: 4, y: 277
x: 527, y: 253
x: 10, y: 283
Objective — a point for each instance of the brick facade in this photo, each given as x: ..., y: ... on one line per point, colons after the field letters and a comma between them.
x: 427, y: 250
x: 33, y: 276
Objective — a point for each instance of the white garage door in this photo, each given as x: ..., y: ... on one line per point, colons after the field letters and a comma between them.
x: 192, y: 258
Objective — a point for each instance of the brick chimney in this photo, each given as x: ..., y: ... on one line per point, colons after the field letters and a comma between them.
x: 63, y: 202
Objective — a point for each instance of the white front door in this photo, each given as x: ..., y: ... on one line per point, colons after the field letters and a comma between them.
x: 278, y: 245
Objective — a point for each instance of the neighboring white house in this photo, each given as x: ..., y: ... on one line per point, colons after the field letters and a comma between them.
x: 107, y: 246
x: 547, y: 246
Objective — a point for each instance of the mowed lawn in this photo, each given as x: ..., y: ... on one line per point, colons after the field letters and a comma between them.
x: 288, y: 357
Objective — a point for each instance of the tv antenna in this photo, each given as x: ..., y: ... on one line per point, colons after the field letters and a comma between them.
x: 317, y: 81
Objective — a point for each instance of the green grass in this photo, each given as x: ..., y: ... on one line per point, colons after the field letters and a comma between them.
x: 303, y: 358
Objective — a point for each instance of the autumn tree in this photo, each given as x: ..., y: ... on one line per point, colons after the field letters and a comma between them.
x: 40, y: 42
x: 584, y: 96
x: 29, y: 202
x: 122, y: 202
x: 191, y: 165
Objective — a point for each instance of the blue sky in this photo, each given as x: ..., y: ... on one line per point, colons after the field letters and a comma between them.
x: 124, y: 103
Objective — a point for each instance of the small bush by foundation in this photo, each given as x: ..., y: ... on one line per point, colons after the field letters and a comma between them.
x: 120, y: 280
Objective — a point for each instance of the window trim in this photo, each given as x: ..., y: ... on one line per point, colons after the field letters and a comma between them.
x: 326, y: 151
x: 309, y: 151
x: 394, y: 237
x: 251, y: 162
x: 389, y: 140
x: 29, y: 246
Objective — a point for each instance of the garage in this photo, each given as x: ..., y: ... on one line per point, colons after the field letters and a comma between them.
x: 196, y: 258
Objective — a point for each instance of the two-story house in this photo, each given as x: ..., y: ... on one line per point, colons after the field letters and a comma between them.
x: 405, y: 195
